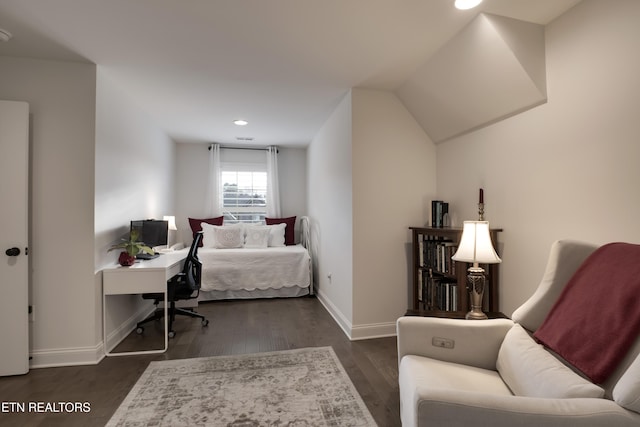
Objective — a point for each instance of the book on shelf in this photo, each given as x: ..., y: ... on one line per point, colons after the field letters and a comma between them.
x: 439, y: 213
x: 439, y: 292
x: 435, y: 253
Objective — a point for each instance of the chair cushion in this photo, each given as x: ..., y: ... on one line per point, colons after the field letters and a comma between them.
x: 417, y: 372
x: 596, y: 319
x: 626, y: 393
x: 433, y: 373
x: 529, y: 370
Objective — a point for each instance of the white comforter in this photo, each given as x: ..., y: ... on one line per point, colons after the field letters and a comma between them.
x: 251, y: 269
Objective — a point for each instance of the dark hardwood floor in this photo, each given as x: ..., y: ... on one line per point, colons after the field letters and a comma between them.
x: 236, y: 327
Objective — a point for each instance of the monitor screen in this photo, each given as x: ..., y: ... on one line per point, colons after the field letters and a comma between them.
x: 151, y: 231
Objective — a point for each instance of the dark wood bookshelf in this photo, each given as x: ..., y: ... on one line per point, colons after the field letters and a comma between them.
x: 439, y: 284
x: 452, y: 314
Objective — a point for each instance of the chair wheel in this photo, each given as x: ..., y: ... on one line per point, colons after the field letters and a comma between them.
x: 171, y: 334
x: 139, y: 330
x: 205, y: 322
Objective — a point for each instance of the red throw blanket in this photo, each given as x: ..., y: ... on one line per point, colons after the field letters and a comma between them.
x: 597, y: 317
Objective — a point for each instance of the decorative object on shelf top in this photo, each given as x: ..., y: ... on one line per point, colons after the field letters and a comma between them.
x: 132, y: 247
x: 440, y: 214
x: 476, y: 247
x: 481, y: 206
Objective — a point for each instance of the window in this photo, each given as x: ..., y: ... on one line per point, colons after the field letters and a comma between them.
x: 244, y: 192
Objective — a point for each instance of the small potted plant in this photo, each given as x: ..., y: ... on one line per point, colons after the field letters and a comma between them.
x: 132, y: 247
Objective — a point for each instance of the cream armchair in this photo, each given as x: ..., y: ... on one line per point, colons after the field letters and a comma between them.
x: 493, y: 373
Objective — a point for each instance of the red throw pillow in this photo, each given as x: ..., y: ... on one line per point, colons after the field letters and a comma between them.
x: 596, y: 319
x: 195, y: 224
x: 289, y: 229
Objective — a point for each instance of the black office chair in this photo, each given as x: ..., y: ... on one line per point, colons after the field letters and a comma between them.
x: 182, y: 286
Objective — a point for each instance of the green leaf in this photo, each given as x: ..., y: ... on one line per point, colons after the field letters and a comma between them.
x: 132, y: 246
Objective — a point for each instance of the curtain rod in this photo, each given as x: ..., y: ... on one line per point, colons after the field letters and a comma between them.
x: 243, y: 148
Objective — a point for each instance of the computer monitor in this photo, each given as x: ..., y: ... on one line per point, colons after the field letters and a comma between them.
x: 152, y: 232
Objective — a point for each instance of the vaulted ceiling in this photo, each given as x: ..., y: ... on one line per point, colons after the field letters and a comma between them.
x: 283, y: 65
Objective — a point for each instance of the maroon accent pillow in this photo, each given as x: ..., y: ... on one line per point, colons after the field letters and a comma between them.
x: 195, y: 224
x: 289, y: 229
x: 596, y: 319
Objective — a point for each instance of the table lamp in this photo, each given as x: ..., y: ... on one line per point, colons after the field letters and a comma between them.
x: 172, y: 227
x: 476, y: 247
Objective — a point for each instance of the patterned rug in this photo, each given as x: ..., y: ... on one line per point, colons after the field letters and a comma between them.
x: 294, y: 388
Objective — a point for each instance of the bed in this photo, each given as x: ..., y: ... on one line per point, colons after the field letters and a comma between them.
x: 254, y: 273
x: 255, y: 262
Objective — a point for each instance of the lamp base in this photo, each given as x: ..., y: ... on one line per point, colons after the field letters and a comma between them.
x: 475, y: 315
x: 476, y: 292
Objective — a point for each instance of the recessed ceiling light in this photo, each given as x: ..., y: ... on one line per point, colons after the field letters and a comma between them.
x: 5, y: 35
x: 467, y: 4
x: 240, y: 122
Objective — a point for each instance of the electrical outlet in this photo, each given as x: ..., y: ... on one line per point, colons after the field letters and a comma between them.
x: 442, y: 342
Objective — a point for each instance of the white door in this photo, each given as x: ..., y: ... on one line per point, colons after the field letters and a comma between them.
x: 14, y: 210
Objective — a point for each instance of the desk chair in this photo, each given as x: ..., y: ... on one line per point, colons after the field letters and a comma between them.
x: 182, y: 286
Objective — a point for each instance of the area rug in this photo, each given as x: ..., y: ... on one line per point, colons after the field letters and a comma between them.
x: 294, y: 388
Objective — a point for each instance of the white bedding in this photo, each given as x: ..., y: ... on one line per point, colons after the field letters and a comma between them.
x: 244, y: 270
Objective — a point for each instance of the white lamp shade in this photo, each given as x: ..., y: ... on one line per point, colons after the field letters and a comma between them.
x: 475, y: 245
x: 171, y: 220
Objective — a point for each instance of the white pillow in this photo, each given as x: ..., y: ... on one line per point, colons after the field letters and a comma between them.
x: 530, y: 370
x: 209, y: 233
x: 276, y: 236
x: 626, y: 393
x: 208, y: 237
x: 228, y: 237
x: 257, y: 236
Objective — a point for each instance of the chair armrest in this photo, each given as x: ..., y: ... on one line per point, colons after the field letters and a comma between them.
x: 458, y: 408
x: 475, y: 342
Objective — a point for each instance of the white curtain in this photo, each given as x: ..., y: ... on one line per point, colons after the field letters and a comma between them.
x: 213, y: 197
x: 273, y: 188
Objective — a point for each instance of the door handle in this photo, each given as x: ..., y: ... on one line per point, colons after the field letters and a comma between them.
x: 12, y: 252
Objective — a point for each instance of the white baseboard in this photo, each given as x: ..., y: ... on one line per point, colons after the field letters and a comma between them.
x: 373, y: 330
x: 337, y: 315
x: 121, y: 332
x: 76, y: 356
x: 356, y: 332
x: 66, y: 357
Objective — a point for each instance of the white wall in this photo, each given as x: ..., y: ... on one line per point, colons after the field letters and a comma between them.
x: 62, y: 99
x: 371, y: 175
x: 135, y: 168
x: 568, y: 168
x: 394, y: 181
x: 330, y: 209
x: 135, y: 179
x: 192, y: 173
x: 292, y: 177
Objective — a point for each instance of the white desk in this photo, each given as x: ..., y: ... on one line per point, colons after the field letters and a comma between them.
x: 148, y: 276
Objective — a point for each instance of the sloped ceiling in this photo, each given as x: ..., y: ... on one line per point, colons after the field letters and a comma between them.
x: 284, y: 65
x: 492, y: 69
